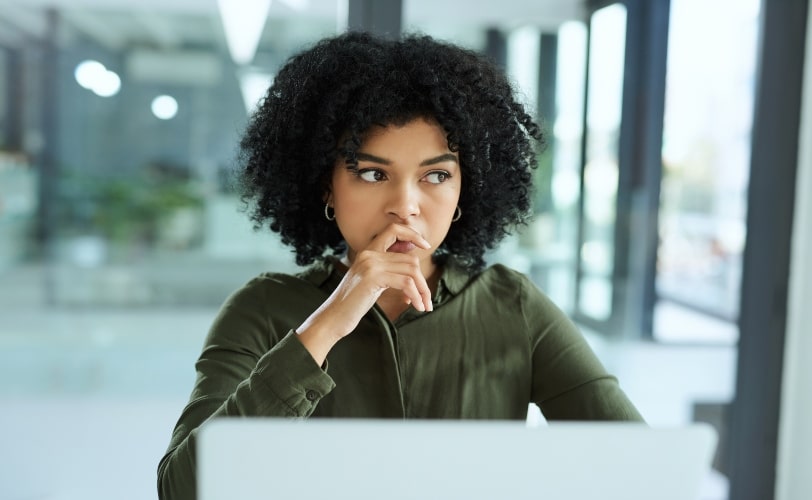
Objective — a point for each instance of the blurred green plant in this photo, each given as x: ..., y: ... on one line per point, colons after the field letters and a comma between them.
x: 125, y: 211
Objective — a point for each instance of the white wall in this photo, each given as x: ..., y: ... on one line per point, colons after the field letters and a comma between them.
x: 795, y: 434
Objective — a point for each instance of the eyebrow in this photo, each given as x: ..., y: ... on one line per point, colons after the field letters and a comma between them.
x: 383, y: 161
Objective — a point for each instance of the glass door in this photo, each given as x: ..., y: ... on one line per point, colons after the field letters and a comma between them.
x: 595, y: 293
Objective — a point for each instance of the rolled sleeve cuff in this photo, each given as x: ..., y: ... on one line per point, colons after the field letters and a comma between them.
x: 290, y: 372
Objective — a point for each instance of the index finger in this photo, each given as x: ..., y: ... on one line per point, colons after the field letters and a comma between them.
x: 398, y: 238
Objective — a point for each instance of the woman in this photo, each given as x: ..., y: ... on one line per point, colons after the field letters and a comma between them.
x: 390, y: 167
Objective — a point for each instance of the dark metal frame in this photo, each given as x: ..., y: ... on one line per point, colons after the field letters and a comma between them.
x: 383, y: 17
x: 754, y: 413
x: 48, y: 162
x: 496, y: 46
x: 13, y: 113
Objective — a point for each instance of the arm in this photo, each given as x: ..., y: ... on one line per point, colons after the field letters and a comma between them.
x: 255, y: 365
x: 245, y: 369
x: 569, y: 382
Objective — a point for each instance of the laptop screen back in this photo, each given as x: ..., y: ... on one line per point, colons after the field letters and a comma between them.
x: 255, y: 458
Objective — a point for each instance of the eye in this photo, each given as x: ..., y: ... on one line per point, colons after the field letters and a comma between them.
x: 371, y: 175
x: 437, y: 177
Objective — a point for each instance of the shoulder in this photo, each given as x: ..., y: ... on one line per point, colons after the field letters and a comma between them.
x: 276, y: 288
x: 496, y: 286
x: 501, y: 279
x: 269, y: 302
x: 503, y: 273
x: 505, y: 284
x: 270, y: 282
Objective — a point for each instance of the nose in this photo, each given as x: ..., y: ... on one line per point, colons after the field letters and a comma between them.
x: 404, y: 200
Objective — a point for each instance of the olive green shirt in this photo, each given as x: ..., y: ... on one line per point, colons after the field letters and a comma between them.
x: 493, y: 344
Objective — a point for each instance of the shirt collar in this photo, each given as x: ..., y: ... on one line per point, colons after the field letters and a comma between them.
x: 452, y: 281
x: 320, y: 271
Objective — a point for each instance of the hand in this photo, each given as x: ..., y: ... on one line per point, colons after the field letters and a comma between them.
x: 375, y: 269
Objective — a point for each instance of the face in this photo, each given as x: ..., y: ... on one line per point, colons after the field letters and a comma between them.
x: 406, y: 175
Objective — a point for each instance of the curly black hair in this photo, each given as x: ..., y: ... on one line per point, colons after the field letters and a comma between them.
x: 325, y: 98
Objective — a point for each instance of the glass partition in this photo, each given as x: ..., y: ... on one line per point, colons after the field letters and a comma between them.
x: 135, y: 107
x: 706, y: 154
x: 101, y: 327
x: 556, y: 227
x: 607, y: 48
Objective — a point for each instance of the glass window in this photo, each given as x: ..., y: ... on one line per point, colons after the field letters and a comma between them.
x: 99, y: 329
x: 706, y: 154
x: 555, y: 229
x: 607, y: 47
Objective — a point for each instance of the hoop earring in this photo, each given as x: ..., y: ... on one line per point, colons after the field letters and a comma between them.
x: 327, y: 212
x: 457, y: 214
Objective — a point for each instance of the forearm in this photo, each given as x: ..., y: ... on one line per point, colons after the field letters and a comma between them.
x: 318, y: 336
x: 177, y: 470
x: 285, y: 383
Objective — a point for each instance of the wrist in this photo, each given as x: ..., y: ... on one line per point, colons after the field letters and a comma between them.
x: 318, y: 340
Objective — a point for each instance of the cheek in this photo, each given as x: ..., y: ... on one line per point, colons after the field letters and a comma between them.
x: 443, y: 209
x: 354, y: 217
x: 450, y: 198
x: 354, y: 207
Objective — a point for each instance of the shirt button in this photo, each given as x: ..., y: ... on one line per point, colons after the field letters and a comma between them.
x: 312, y: 395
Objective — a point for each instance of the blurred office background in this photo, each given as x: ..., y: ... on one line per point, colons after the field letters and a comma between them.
x: 674, y: 202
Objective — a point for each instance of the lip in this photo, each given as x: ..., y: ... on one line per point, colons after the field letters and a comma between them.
x: 401, y: 247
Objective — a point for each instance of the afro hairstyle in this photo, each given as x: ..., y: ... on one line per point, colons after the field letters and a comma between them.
x: 324, y: 99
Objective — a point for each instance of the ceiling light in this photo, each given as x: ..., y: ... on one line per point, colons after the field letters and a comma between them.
x: 87, y: 73
x: 108, y: 84
x: 254, y: 85
x: 243, y: 22
x: 93, y: 76
x: 164, y: 107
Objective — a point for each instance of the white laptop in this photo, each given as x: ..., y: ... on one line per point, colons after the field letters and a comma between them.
x: 260, y: 458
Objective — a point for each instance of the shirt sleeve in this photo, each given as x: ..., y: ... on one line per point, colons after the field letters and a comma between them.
x: 246, y: 368
x: 569, y: 381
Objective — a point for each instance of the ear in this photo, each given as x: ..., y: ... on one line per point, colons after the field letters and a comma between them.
x: 327, y: 197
